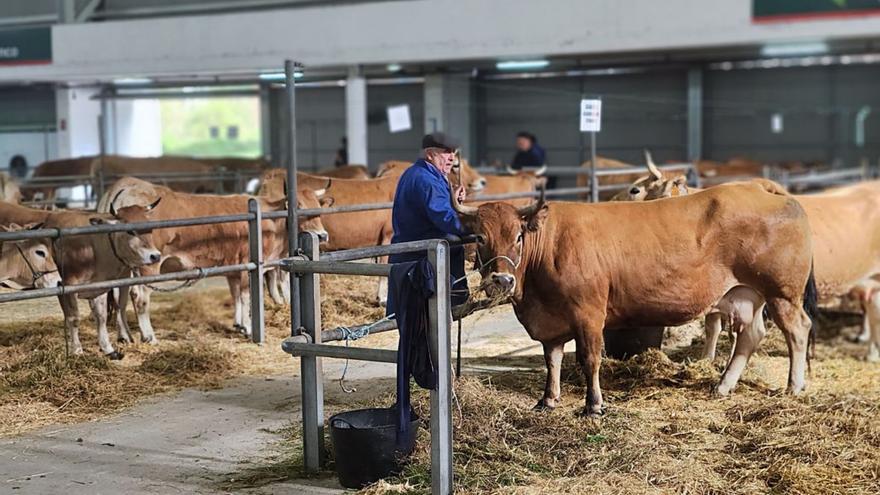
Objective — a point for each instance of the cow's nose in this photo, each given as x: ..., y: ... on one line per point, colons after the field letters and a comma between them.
x: 504, y: 281
x: 155, y: 257
x: 323, y: 236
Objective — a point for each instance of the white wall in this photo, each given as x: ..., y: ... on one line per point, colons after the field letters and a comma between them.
x: 36, y: 147
x: 385, y: 32
x: 77, y: 122
x: 138, y: 128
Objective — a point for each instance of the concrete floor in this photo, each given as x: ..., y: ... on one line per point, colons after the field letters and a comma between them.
x: 189, y: 442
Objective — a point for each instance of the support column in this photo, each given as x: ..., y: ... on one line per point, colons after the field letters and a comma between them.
x: 265, y: 122
x: 356, y: 116
x: 448, y: 108
x: 77, y: 122
x: 695, y: 113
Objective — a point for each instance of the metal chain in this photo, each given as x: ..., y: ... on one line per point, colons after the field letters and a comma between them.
x: 350, y: 335
x: 183, y: 285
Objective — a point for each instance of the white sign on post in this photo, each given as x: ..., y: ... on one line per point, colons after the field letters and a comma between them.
x: 591, y: 115
x: 398, y: 118
x: 776, y: 123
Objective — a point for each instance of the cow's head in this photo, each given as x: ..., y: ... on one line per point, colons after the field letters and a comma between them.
x: 463, y: 174
x: 655, y: 185
x: 503, y: 232
x: 28, y: 263
x: 134, y: 248
x: 308, y: 198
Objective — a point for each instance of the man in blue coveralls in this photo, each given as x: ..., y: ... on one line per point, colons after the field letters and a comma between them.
x: 423, y: 207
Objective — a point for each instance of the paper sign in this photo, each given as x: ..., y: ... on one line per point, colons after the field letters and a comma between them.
x: 398, y: 118
x: 591, y: 115
x: 776, y: 123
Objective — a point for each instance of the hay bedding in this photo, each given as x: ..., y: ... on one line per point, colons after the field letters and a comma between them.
x: 39, y: 385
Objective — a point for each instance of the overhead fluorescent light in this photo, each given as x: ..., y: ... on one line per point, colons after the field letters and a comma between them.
x: 522, y: 64
x: 394, y: 67
x: 278, y: 76
x: 132, y: 80
x: 794, y: 49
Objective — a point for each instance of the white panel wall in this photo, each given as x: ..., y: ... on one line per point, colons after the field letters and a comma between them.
x: 385, y: 32
x: 77, y: 122
x: 35, y: 147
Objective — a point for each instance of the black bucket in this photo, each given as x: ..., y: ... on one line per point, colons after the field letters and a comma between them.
x: 365, y: 445
x: 621, y: 343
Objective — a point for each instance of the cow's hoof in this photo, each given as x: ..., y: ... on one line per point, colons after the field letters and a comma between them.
x: 149, y: 339
x: 123, y: 340
x: 78, y: 351
x: 115, y: 356
x: 543, y: 406
x: 591, y: 412
x: 721, y: 391
x: 241, y: 329
x: 873, y: 358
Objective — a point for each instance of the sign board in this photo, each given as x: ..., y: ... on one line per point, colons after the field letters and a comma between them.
x: 789, y: 10
x: 398, y: 118
x: 26, y: 46
x: 776, y: 123
x: 591, y: 115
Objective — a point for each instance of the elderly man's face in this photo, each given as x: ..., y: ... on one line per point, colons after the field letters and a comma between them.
x: 523, y: 143
x: 440, y: 158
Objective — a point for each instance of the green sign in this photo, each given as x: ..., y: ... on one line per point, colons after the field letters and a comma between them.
x: 26, y: 46
x: 784, y: 10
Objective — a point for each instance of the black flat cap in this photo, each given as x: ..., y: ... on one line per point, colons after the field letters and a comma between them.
x: 439, y: 140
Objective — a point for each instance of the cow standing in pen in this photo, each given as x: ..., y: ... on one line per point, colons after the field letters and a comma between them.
x: 573, y: 269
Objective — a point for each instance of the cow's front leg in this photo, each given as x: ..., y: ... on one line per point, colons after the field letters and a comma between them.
x: 552, y: 390
x: 234, y: 283
x: 122, y: 329
x: 99, y: 312
x: 872, y: 319
x: 70, y: 308
x: 713, y: 330
x: 284, y: 284
x: 245, y: 301
x: 140, y: 297
x: 273, y: 284
x: 382, y: 289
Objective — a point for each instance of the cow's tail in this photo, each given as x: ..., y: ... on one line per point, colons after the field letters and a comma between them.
x: 811, y: 306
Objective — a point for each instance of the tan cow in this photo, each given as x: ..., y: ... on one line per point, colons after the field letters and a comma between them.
x: 199, y: 177
x: 845, y: 224
x: 185, y: 248
x: 573, y: 269
x: 91, y: 258
x: 49, y: 170
x: 603, y: 163
x: 9, y: 190
x: 345, y: 172
x: 27, y: 264
x: 247, y: 168
x: 516, y: 181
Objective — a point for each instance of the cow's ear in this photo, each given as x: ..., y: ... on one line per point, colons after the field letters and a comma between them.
x: 327, y: 201
x: 536, y: 219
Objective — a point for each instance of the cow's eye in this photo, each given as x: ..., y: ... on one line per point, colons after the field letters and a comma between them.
x: 635, y: 191
x: 481, y: 240
x: 519, y: 238
x: 41, y: 253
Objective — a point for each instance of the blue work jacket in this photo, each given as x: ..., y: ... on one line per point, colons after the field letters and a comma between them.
x: 422, y: 206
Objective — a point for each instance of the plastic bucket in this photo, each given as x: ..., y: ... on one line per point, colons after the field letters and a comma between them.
x: 365, y: 445
x: 621, y: 343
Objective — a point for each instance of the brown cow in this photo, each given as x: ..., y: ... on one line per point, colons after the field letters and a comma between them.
x: 573, y: 269
x: 27, y: 264
x: 515, y: 182
x: 845, y: 224
x: 185, y: 248
x: 34, y: 190
x: 603, y: 163
x: 345, y: 172
x: 199, y: 175
x: 91, y: 258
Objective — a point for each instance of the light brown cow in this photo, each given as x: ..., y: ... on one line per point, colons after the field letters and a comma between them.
x: 33, y: 190
x: 603, y: 163
x: 9, y: 190
x: 345, y: 172
x: 246, y: 167
x: 185, y: 248
x: 516, y: 181
x: 199, y: 177
x: 27, y: 264
x: 573, y: 269
x: 845, y: 224
x: 90, y: 258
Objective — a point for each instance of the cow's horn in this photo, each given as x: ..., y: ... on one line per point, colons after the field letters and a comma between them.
x: 652, y: 167
x: 541, y: 171
x: 320, y: 192
x: 154, y: 204
x: 113, y: 202
x: 529, y: 210
x: 460, y: 208
x: 509, y: 170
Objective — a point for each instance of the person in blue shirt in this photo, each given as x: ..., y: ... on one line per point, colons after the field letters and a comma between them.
x: 528, y: 152
x: 423, y: 207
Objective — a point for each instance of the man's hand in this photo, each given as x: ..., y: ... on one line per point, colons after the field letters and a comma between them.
x: 461, y: 194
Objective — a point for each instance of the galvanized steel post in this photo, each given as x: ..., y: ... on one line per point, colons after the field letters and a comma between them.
x: 594, y: 181
x: 439, y: 326
x: 255, y: 276
x: 292, y: 220
x: 312, y: 372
